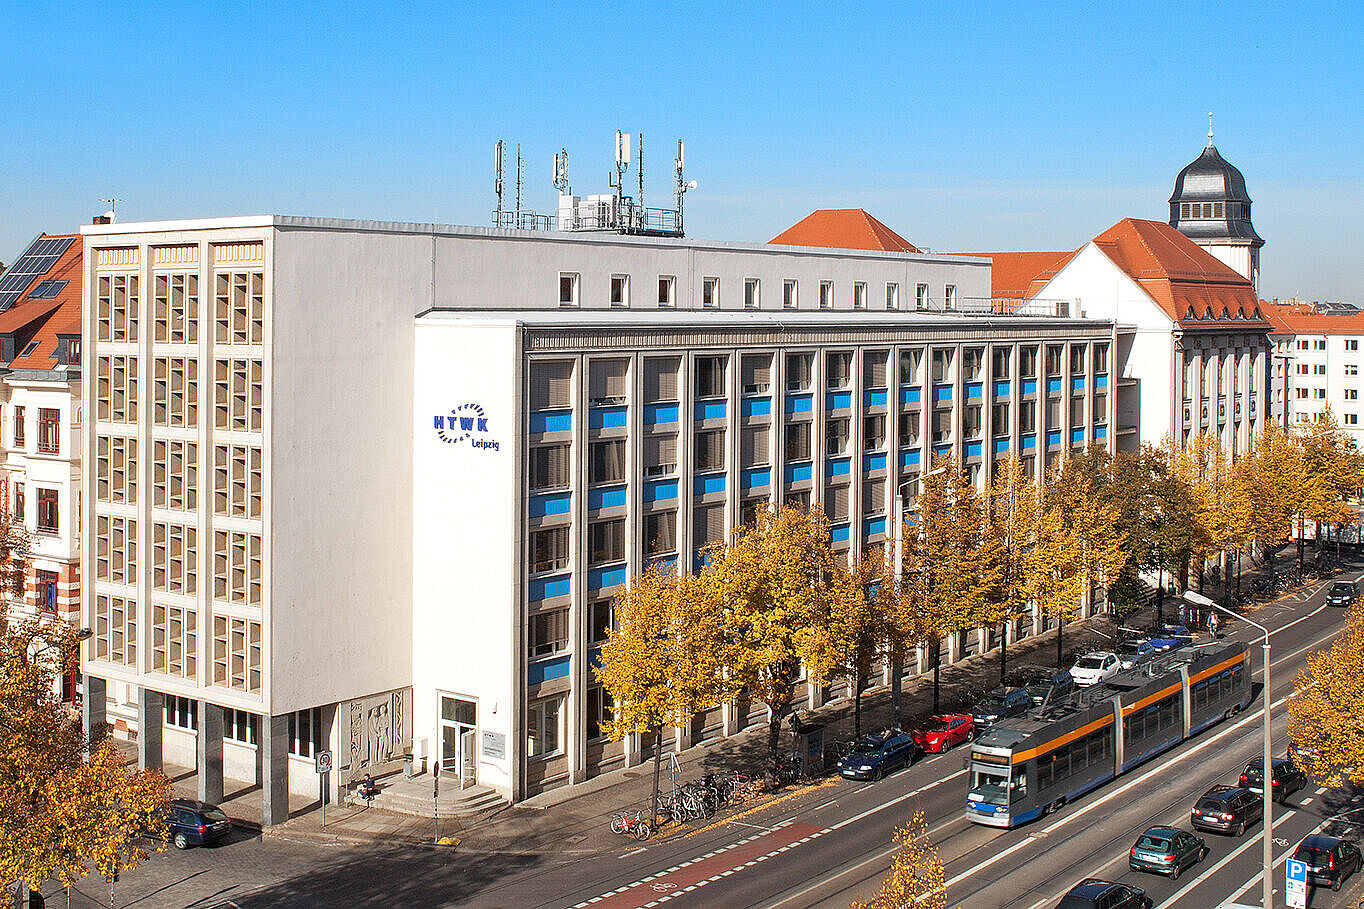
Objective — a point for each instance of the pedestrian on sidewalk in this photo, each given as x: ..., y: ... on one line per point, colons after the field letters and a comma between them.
x: 1212, y: 624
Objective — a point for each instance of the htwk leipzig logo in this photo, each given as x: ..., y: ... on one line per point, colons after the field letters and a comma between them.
x: 466, y: 423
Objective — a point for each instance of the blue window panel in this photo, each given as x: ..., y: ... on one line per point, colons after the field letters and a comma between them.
x: 838, y: 400
x: 548, y: 588
x: 942, y: 450
x: 594, y: 658
x: 655, y: 414
x: 1001, y: 389
x: 909, y: 458
x: 664, y: 563
x: 600, y: 578
x: 974, y: 389
x: 1077, y: 383
x: 551, y: 421
x: 873, y: 462
x: 910, y: 394
x: 799, y: 403
x: 972, y: 449
x: 1053, y: 385
x: 1100, y: 432
x: 837, y: 467
x: 660, y: 490
x: 545, y: 670
x: 1101, y: 381
x: 606, y: 497
x: 942, y: 392
x: 838, y: 533
x: 551, y: 503
x: 1029, y: 441
x: 1029, y: 386
x: 1054, y: 437
x: 874, y: 398
x: 1077, y: 435
x: 874, y: 527
x: 711, y: 482
x: 1001, y: 445
x: 710, y: 410
x: 606, y: 418
x: 795, y: 473
x: 701, y: 560
x: 756, y: 407
x: 757, y: 476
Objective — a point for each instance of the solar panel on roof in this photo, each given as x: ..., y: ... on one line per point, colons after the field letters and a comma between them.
x: 38, y: 259
x: 47, y: 290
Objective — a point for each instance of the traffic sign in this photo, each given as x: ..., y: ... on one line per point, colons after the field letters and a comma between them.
x: 324, y: 761
x: 1295, y: 874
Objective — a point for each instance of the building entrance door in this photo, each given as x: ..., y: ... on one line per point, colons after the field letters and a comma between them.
x: 459, y: 739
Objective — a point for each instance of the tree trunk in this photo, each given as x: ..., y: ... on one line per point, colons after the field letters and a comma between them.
x: 774, y: 731
x: 1238, y: 574
x: 1301, y: 543
x: 1226, y: 580
x: 897, y: 672
x: 1160, y: 595
x: 658, y: 768
x: 1004, y: 652
x: 857, y: 710
x: 937, y: 665
x: 1060, y: 627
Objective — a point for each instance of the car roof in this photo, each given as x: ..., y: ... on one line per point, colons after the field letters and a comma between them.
x: 1320, y: 841
x: 1161, y: 830
x: 1098, y: 653
x: 1091, y: 888
x: 1349, y: 584
x: 1221, y: 792
x: 191, y: 804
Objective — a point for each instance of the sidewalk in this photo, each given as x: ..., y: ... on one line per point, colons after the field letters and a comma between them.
x: 574, y: 820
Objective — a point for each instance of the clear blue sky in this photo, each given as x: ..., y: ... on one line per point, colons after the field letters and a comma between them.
x: 963, y: 126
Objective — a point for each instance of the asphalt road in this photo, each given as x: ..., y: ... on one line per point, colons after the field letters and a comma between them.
x: 821, y: 847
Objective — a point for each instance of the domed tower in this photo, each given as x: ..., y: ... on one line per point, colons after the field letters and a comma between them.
x: 1211, y: 207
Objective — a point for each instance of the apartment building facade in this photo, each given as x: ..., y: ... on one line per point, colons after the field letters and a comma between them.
x: 1319, y: 359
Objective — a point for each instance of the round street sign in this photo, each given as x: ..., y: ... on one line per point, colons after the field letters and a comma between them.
x: 324, y: 761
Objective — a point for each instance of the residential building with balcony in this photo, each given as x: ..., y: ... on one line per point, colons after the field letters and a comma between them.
x: 1320, y: 359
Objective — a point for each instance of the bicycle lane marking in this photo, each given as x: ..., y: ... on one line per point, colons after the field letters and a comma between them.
x: 691, y: 875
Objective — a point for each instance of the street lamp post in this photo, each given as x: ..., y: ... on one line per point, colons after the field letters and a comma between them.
x: 1267, y: 775
x: 896, y: 670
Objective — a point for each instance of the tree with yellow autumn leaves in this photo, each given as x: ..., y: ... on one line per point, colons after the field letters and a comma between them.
x: 917, y: 876
x: 1326, y: 712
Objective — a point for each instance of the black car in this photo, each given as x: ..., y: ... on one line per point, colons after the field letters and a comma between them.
x: 1166, y: 850
x: 1000, y: 704
x: 1288, y: 778
x: 875, y: 755
x: 192, y: 823
x: 1096, y: 893
x: 1043, y: 684
x: 1330, y: 860
x: 1342, y: 593
x: 1227, y: 809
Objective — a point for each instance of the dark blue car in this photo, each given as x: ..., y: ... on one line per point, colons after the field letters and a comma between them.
x: 875, y: 755
x: 1171, y: 636
x: 194, y: 823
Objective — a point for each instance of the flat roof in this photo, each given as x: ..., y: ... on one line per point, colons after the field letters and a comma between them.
x: 766, y: 320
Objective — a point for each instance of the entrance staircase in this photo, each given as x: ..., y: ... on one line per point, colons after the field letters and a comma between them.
x: 413, y: 797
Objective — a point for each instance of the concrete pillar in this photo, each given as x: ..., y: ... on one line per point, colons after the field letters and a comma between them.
x: 210, y: 752
x: 274, y: 752
x: 95, y: 709
x: 151, y: 714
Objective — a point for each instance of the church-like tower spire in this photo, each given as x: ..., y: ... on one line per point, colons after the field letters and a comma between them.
x: 1211, y: 207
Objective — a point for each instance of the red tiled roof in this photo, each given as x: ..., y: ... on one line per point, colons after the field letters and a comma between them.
x: 1019, y: 275
x: 1303, y: 321
x: 843, y: 228
x: 42, y: 320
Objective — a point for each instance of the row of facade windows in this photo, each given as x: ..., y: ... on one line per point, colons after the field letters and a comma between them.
x: 618, y: 295
x: 49, y: 512
x: 49, y: 429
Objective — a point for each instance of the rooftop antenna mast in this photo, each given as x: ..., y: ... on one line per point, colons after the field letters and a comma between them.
x: 639, y: 171
x: 561, y: 172
x: 113, y: 206
x: 497, y: 179
x: 1209, y: 129
x: 518, y: 184
x: 622, y: 165
x: 683, y: 184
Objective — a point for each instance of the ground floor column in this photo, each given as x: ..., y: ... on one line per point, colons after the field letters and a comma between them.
x: 210, y: 752
x: 151, y: 714
x: 274, y: 774
x: 95, y: 709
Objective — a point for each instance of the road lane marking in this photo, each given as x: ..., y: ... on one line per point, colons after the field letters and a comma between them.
x: 1257, y: 840
x: 990, y: 861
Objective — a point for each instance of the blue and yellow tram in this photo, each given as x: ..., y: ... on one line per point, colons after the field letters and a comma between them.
x: 1030, y: 766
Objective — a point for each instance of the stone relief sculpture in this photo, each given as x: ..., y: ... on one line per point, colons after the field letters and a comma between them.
x: 378, y: 730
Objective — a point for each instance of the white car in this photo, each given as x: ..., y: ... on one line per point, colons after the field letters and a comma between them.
x: 1096, y: 667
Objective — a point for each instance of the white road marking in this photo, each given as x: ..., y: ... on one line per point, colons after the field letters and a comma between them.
x: 990, y: 861
x: 635, y: 852
x: 1257, y: 840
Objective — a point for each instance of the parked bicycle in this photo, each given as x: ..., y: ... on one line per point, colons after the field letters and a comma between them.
x: 632, y: 823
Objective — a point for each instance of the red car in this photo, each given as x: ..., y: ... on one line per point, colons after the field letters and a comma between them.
x: 942, y: 732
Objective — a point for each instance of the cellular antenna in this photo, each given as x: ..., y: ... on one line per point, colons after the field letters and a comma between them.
x: 683, y: 184
x: 518, y: 184
x: 561, y: 172
x: 639, y: 172
x: 1209, y: 129
x: 497, y: 179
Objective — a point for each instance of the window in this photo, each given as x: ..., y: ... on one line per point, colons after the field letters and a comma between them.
x: 1077, y: 411
x: 606, y: 541
x: 600, y: 710
x: 117, y: 303
x: 1300, y: 393
x: 799, y: 500
x: 1100, y: 408
x: 1027, y: 416
x: 620, y: 290
x: 921, y: 296
x: 175, y: 391
x: 660, y: 380
x: 1001, y: 362
x: 240, y: 308
x: 1053, y: 413
x: 1100, y: 358
x: 549, y: 549
x: 800, y: 371
x: 237, y: 567
x: 46, y: 591
x: 238, y: 486
x: 305, y: 732
x: 549, y: 466
x: 836, y: 503
x: 942, y: 364
x: 606, y: 382
x: 749, y: 509
x: 115, y: 630
x: 911, y: 362
x: 600, y: 620
x: 47, y: 510
x: 1319, y: 344
x: 548, y: 633
x: 874, y: 432
x: 909, y: 429
x: 49, y: 419
x: 667, y: 289
x: 874, y: 497
x: 942, y: 425
x: 1302, y: 369
x: 1351, y: 369
x: 175, y: 308
x: 238, y: 395
x: 19, y: 502
x: 708, y: 525
x: 181, y: 713
x: 710, y: 450
x: 859, y: 295
x: 710, y: 292
x: 751, y: 293
x: 1054, y: 359
x: 797, y: 441
x: 1351, y: 394
x: 568, y: 289
x: 18, y: 427
x: 754, y: 446
x: 999, y: 419
x: 551, y: 384
x: 175, y: 640
x: 1319, y: 393
x: 544, y: 732
x: 972, y: 359
x: 826, y: 295
x: 1352, y: 344
x: 838, y: 369
x: 950, y: 296
x: 892, y: 295
x: 1352, y: 419
x: 607, y: 462
x: 173, y: 551
x: 240, y: 726
x: 1303, y: 345
x: 710, y: 377
x: 757, y: 374
x: 836, y: 435
x: 1077, y: 359
x: 788, y: 295
x: 660, y: 533
x: 874, y: 369
x: 1027, y: 362
x: 970, y: 421
x: 660, y: 455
